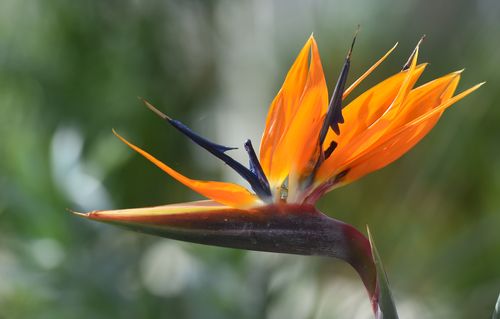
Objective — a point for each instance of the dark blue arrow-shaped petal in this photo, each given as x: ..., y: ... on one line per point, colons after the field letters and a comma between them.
x: 334, y: 115
x: 255, y: 166
x: 261, y: 189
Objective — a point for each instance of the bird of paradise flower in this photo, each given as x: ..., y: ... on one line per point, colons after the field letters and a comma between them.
x: 309, y: 147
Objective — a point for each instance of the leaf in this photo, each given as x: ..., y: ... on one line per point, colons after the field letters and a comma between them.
x: 386, y: 309
x: 496, y: 311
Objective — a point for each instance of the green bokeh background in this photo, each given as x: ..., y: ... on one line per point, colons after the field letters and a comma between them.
x: 72, y: 70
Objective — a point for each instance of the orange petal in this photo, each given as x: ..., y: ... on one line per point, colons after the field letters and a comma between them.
x: 428, y: 96
x: 420, y: 101
x: 404, y: 138
x: 386, y: 121
x: 367, y: 73
x: 361, y: 113
x: 284, y: 107
x: 444, y: 106
x: 390, y: 150
x: 295, y: 155
x: 371, y: 105
x: 295, y: 119
x: 225, y: 193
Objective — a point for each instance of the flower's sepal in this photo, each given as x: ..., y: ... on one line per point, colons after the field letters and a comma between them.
x: 291, y: 229
x: 382, y: 300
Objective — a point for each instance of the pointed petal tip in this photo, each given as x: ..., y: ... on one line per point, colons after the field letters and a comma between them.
x: 368, y: 231
x: 474, y: 88
x: 155, y: 110
x: 116, y: 133
x: 84, y: 215
x: 358, y: 29
x: 311, y: 38
x: 417, y: 49
x: 422, y: 38
x: 353, y: 42
x: 121, y: 138
x: 368, y: 72
x: 391, y: 49
x: 414, y: 55
x: 455, y: 74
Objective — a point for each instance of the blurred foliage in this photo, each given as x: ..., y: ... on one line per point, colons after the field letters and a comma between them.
x: 71, y: 70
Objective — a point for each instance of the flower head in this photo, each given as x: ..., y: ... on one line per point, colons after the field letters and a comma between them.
x: 311, y: 144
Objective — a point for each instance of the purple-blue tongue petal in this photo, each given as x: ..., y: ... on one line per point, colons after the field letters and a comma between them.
x: 262, y: 190
x: 334, y: 115
x: 255, y: 166
x: 215, y: 149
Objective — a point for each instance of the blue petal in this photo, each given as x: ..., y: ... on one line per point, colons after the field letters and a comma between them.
x: 219, y: 152
x: 334, y: 115
x: 203, y: 142
x: 255, y: 166
x: 256, y: 182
